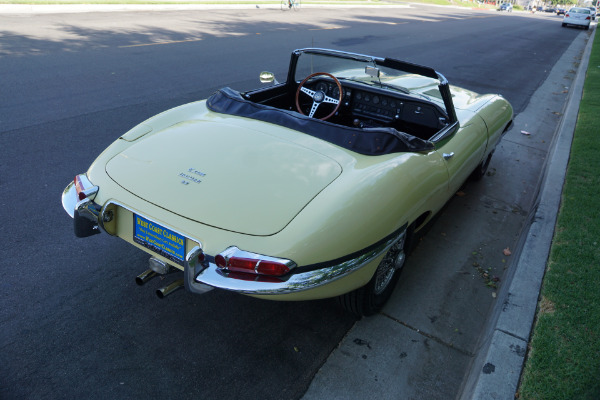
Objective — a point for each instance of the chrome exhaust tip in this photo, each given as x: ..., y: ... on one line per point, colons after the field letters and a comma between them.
x: 145, y: 277
x: 167, y: 290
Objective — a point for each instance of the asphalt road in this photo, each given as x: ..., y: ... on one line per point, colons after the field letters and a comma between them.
x: 74, y: 324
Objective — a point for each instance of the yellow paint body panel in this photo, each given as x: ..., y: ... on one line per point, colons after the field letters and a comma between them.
x: 279, y: 192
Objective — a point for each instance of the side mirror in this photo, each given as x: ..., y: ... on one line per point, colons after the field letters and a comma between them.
x: 268, y: 77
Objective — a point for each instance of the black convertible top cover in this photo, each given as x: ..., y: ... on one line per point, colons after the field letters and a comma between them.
x: 367, y: 141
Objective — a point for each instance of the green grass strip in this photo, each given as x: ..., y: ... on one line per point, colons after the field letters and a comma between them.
x: 564, y: 355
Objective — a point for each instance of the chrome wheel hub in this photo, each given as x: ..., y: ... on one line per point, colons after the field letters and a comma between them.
x: 392, y: 262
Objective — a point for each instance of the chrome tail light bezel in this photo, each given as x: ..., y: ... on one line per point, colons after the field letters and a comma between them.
x: 224, y: 262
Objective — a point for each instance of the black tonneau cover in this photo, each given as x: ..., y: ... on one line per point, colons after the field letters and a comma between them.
x: 367, y: 141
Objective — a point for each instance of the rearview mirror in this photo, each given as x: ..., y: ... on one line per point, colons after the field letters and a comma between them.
x: 372, y: 72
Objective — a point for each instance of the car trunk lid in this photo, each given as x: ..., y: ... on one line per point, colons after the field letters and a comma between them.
x: 225, y: 175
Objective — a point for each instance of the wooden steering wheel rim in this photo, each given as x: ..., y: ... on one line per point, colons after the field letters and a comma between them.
x: 337, y: 82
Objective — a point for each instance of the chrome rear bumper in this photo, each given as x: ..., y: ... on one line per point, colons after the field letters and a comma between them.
x: 202, y: 277
x: 199, y: 276
x: 85, y: 213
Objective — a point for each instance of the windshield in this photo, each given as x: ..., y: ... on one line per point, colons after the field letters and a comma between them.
x: 368, y: 71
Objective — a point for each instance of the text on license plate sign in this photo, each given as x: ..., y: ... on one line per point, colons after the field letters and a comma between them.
x: 157, y: 238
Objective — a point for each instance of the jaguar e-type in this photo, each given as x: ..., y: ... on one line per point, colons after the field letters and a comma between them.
x: 311, y: 188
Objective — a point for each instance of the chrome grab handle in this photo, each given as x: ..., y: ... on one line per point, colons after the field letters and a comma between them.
x: 448, y: 156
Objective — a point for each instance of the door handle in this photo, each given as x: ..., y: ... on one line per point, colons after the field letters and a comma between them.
x: 448, y: 156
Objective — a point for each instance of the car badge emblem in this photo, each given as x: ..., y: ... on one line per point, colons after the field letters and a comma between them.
x: 192, y: 175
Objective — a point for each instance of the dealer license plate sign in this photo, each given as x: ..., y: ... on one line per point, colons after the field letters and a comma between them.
x: 159, y: 239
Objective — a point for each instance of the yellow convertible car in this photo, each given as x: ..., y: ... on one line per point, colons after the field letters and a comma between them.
x: 307, y: 189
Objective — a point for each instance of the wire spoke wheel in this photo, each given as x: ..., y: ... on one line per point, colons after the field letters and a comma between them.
x: 370, y: 299
x: 392, y: 262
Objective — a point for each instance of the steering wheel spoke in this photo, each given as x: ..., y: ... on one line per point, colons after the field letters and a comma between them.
x: 318, y: 96
x: 305, y: 90
x: 331, y: 100
x: 313, y: 109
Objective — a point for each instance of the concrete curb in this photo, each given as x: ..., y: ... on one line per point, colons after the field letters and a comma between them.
x: 495, y: 374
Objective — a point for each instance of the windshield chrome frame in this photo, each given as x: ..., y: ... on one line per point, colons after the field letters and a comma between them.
x: 404, y: 66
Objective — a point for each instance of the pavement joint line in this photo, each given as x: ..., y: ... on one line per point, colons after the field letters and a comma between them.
x: 429, y: 336
x: 525, y: 145
x: 512, y: 334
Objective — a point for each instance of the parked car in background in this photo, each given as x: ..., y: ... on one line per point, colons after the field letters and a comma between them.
x: 593, y: 12
x: 505, y: 7
x: 560, y: 11
x: 307, y: 189
x: 550, y: 10
x: 578, y: 16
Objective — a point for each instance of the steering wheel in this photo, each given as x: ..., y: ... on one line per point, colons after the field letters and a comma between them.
x: 318, y: 97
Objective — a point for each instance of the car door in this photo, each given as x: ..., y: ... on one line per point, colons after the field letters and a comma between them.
x: 463, y: 151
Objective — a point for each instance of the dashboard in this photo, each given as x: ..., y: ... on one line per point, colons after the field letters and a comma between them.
x: 378, y: 106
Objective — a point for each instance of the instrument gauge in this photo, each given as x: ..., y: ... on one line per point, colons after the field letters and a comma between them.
x: 322, y: 86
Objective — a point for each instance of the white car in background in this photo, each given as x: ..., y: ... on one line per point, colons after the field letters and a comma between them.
x: 580, y: 16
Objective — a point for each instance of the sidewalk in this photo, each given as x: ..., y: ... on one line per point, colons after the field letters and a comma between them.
x: 499, y: 357
x: 496, y: 372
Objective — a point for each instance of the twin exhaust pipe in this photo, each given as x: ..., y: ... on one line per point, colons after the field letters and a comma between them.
x: 158, y: 267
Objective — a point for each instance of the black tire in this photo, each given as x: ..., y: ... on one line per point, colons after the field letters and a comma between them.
x: 564, y: 25
x: 482, y: 168
x: 369, y: 299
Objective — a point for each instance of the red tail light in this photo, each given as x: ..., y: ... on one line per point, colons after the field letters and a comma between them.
x: 84, y: 187
x: 79, y: 187
x: 234, y: 259
x: 272, y: 268
x: 241, y: 264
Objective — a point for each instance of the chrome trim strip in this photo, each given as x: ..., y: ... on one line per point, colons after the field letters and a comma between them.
x: 339, y: 53
x: 190, y: 266
x: 445, y: 132
x: 88, y: 209
x: 212, y: 275
x: 89, y: 189
x: 69, y: 199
